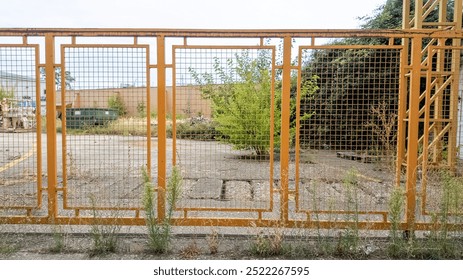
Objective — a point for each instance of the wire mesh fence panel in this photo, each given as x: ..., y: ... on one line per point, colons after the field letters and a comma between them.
x: 224, y: 123
x: 105, y: 125
x: 439, y: 193
x: 347, y: 129
x: 20, y: 131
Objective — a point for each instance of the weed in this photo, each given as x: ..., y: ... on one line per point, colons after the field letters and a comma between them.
x: 191, y: 251
x: 159, y: 233
x: 383, y: 126
x: 6, y: 248
x: 105, y: 237
x: 270, y: 245
x: 141, y: 109
x: 396, y: 209
x: 213, y: 242
x: 440, y: 243
x: 58, y: 240
x: 115, y: 102
x: 348, y: 241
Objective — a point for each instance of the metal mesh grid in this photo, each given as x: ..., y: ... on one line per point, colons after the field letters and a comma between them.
x: 19, y: 161
x: 109, y: 102
x: 223, y: 126
x: 347, y: 130
x: 438, y: 119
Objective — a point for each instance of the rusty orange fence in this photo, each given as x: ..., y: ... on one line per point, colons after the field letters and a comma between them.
x: 296, y: 128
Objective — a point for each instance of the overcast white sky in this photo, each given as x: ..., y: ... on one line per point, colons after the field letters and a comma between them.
x: 207, y: 14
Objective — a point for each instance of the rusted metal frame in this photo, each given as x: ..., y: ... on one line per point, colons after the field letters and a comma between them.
x: 310, y: 212
x: 162, y: 167
x: 238, y: 33
x: 272, y: 113
x: 63, y: 117
x: 148, y: 110
x: 298, y: 129
x: 355, y: 47
x: 418, y: 18
x: 413, y: 122
x: 402, y: 112
x: 174, y: 105
x: 285, y: 129
x: 38, y: 119
x: 438, y: 98
x: 453, y: 113
x: 218, y: 209
x: 425, y: 6
x: 38, y: 144
x: 430, y: 5
x: 51, y: 127
x: 430, y: 83
x: 436, y: 94
x: 456, y: 68
x: 64, y: 131
x: 272, y: 128
x: 109, y: 208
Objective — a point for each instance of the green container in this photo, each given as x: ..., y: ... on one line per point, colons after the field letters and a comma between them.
x: 77, y: 118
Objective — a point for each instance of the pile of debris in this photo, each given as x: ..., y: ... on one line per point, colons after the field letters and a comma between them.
x: 15, y: 114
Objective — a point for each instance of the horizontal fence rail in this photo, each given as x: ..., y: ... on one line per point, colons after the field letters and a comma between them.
x: 295, y: 128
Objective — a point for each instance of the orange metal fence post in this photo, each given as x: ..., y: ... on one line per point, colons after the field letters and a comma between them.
x: 285, y: 129
x: 161, y: 67
x: 413, y: 122
x: 51, y: 126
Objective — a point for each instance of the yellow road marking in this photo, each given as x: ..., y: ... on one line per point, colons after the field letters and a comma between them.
x: 17, y: 161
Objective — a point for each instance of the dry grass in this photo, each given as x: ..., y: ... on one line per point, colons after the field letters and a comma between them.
x: 191, y: 251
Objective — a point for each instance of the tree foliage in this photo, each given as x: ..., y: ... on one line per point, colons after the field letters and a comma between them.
x: 5, y: 93
x: 115, y: 102
x: 69, y: 79
x: 353, y: 82
x: 242, y: 101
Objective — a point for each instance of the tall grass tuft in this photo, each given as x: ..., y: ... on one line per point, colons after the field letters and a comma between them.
x: 160, y: 232
x: 105, y: 237
x: 396, y: 209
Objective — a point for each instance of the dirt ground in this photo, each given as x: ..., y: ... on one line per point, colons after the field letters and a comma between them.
x: 58, y: 245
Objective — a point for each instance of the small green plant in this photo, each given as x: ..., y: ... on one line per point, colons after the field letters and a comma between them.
x: 444, y: 220
x: 115, y: 102
x: 160, y: 232
x: 269, y: 245
x: 7, y: 248
x: 5, y: 93
x: 396, y: 209
x: 105, y: 237
x: 58, y: 240
x: 141, y: 109
x: 348, y: 242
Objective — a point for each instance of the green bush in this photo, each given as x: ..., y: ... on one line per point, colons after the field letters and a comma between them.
x: 198, y: 130
x: 115, y: 102
x: 241, y: 100
x: 4, y: 93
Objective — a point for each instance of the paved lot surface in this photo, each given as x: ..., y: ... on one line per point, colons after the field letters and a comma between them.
x: 105, y: 171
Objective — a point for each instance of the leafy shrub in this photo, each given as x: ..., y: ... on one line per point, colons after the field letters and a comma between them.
x: 115, y: 102
x: 141, y: 109
x: 198, y: 129
x: 241, y: 95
